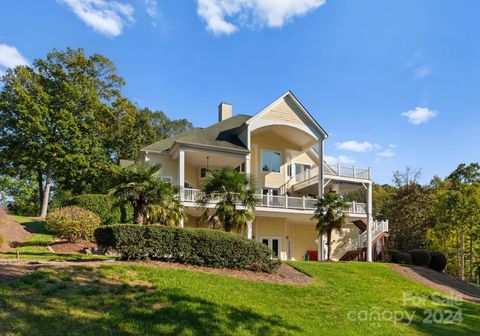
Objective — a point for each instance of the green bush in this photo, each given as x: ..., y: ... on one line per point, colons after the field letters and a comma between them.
x: 402, y: 258
x: 72, y: 223
x: 438, y: 261
x: 103, y: 206
x: 202, y: 247
x: 420, y: 257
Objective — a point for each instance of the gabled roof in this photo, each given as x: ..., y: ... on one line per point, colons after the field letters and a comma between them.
x: 302, y: 108
x: 221, y: 135
x: 224, y: 135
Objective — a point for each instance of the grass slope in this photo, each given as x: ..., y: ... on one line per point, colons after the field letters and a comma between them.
x: 137, y: 300
x: 36, y: 246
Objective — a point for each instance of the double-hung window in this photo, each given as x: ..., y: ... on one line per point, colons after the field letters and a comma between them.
x: 271, y: 161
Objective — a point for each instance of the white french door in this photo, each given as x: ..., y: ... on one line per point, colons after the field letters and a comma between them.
x: 273, y: 243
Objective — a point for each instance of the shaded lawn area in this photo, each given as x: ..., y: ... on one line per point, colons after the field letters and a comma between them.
x: 36, y: 246
x: 40, y: 238
x: 139, y: 300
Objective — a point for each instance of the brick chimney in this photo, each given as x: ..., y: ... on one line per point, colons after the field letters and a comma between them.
x: 224, y: 111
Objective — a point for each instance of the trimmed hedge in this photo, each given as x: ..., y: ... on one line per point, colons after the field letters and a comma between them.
x: 202, y: 247
x: 402, y: 258
x: 103, y: 206
x: 420, y: 257
x: 438, y: 261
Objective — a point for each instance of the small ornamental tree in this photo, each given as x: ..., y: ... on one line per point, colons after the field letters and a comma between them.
x: 233, y: 196
x: 140, y: 186
x: 329, y: 216
x: 72, y: 223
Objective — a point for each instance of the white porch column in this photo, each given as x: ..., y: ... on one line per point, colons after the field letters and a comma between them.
x: 247, y: 165
x: 181, y: 223
x: 181, y: 172
x: 369, y: 221
x: 321, y: 250
x: 321, y: 171
x: 249, y: 230
x: 321, y: 245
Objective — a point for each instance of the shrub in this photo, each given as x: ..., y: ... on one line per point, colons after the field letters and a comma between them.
x: 202, y: 247
x: 391, y: 254
x: 420, y: 257
x: 72, y: 223
x: 103, y: 205
x: 438, y: 261
x: 402, y: 258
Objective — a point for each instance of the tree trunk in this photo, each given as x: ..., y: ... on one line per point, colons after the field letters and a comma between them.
x: 40, y: 188
x: 457, y: 252
x: 46, y: 192
x: 471, y: 257
x: 139, y: 214
x: 329, y: 239
x: 462, y: 255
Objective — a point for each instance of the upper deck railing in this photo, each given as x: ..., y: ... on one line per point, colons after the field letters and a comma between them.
x: 336, y: 170
x: 282, y: 202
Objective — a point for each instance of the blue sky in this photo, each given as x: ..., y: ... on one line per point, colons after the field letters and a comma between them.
x: 394, y: 83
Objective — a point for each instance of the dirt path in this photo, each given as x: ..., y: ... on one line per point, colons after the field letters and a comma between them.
x: 285, y: 274
x: 440, y: 282
x: 13, y: 234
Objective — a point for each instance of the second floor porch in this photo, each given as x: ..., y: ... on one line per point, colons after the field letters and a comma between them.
x: 281, y: 203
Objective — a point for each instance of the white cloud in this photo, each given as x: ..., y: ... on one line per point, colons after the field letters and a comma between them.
x: 10, y: 57
x: 355, y: 146
x: 387, y: 153
x: 106, y: 17
x: 423, y: 72
x: 226, y: 16
x: 340, y: 159
x: 420, y: 115
x: 152, y: 8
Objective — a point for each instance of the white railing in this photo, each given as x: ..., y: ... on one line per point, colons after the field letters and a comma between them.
x: 357, y: 208
x: 191, y: 195
x: 351, y: 245
x: 336, y: 170
x: 377, y: 228
x: 281, y: 202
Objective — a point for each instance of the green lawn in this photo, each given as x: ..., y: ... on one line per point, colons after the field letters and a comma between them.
x: 138, y: 300
x: 36, y: 246
x: 40, y: 238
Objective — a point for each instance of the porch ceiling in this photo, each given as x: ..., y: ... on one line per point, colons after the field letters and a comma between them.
x: 343, y: 187
x: 294, y: 135
x: 199, y: 159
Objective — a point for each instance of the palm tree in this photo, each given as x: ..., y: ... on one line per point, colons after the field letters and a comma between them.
x: 329, y: 216
x: 233, y: 196
x: 139, y: 185
x: 169, y: 211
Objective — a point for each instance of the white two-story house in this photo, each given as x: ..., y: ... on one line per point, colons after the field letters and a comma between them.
x: 282, y: 148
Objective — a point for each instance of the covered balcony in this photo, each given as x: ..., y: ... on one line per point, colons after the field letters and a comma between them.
x: 295, y: 204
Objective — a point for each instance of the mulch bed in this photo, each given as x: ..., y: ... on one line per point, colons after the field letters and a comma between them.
x: 285, y: 274
x: 441, y: 282
x: 65, y: 247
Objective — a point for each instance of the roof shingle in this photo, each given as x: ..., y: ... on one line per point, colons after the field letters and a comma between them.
x: 221, y: 135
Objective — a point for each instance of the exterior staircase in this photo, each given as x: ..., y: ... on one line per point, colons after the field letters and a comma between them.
x: 379, y: 242
x: 359, y: 254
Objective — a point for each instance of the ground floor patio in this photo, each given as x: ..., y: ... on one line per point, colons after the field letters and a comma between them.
x: 295, y: 237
